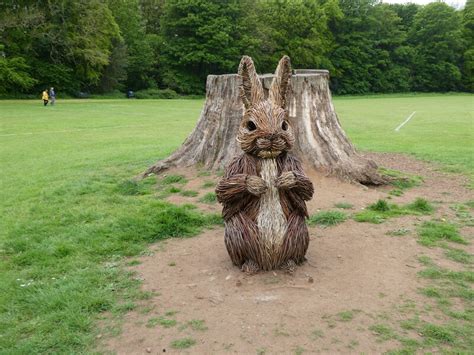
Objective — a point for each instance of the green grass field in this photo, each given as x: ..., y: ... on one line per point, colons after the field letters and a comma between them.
x: 441, y: 130
x: 70, y: 213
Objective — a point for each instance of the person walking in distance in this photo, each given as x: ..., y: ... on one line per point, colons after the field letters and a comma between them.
x: 52, y: 96
x: 45, y: 97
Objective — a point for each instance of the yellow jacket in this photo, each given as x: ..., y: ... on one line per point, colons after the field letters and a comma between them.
x: 45, y: 95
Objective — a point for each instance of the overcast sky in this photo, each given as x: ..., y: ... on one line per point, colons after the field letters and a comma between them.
x: 454, y: 3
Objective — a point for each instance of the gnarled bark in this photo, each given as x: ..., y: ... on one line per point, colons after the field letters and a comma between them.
x: 320, y: 140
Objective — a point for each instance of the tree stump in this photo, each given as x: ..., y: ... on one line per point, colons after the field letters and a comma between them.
x: 320, y: 143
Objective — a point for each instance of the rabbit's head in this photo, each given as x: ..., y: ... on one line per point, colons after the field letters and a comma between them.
x: 265, y: 131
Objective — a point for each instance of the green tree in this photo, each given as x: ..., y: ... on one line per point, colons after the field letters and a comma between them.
x: 468, y: 55
x: 139, y: 53
x: 370, y: 45
x: 66, y: 43
x: 152, y: 10
x: 388, y: 39
x: 14, y: 74
x: 18, y: 21
x: 115, y: 73
x: 436, y: 36
x: 298, y: 28
x: 407, y: 13
x: 199, y: 37
x: 86, y: 36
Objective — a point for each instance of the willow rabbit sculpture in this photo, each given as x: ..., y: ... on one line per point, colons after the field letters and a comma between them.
x: 263, y: 191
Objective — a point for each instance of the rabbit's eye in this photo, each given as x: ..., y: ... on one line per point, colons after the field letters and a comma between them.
x: 251, y: 126
x: 284, y: 125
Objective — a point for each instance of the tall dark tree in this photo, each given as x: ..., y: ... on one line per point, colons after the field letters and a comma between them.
x: 407, y: 13
x: 468, y: 55
x: 436, y: 36
x: 19, y: 22
x: 81, y: 35
x: 199, y: 38
x: 114, y: 74
x: 152, y: 10
x: 369, y: 42
x: 299, y: 29
x: 66, y: 43
x: 139, y: 53
x: 388, y: 74
x: 14, y: 74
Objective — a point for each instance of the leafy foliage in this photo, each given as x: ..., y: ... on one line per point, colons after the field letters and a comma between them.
x: 367, y: 45
x: 199, y: 37
x: 14, y: 74
x: 436, y: 36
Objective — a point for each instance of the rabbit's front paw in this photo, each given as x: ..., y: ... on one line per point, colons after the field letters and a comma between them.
x: 286, y: 180
x: 256, y: 185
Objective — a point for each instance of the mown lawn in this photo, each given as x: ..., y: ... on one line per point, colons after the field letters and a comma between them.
x: 441, y: 130
x: 70, y: 213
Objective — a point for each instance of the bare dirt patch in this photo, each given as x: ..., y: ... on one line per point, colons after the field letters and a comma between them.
x: 357, y: 279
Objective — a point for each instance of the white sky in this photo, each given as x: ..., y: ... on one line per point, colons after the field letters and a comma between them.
x: 454, y: 3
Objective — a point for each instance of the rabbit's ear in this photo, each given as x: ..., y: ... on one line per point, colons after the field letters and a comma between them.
x: 251, y: 90
x: 281, y: 82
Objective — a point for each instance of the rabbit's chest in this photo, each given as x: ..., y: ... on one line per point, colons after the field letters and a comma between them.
x: 271, y: 220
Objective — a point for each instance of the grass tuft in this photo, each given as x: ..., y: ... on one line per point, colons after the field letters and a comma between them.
x: 431, y: 292
x: 409, y: 324
x: 345, y: 316
x: 463, y: 214
x: 382, y: 210
x: 400, y: 180
x: 380, y: 206
x: 182, y: 343
x: 459, y: 255
x: 382, y: 331
x: 344, y: 205
x: 210, y: 197
x: 189, y: 193
x: 316, y: 334
x: 327, y: 218
x: 396, y: 192
x: 174, y: 190
x: 438, y: 333
x: 435, y: 272
x: 208, y: 184
x: 204, y: 173
x: 173, y: 179
x: 398, y: 232
x: 164, y: 322
x: 198, y: 324
x: 431, y: 232
x: 135, y: 188
x: 420, y: 205
x: 425, y: 260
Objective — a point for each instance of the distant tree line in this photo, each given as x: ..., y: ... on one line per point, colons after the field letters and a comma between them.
x: 100, y: 46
